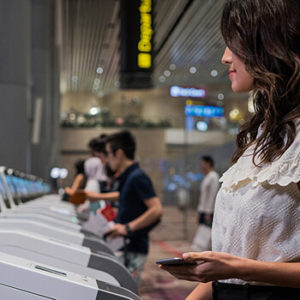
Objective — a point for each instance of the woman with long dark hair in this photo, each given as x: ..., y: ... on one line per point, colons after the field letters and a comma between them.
x: 79, y: 180
x: 256, y: 229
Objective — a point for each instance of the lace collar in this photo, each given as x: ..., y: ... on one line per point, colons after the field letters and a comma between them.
x: 283, y: 171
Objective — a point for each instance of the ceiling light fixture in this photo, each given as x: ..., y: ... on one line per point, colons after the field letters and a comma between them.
x: 99, y: 70
x: 167, y: 73
x: 193, y: 70
x: 221, y: 96
x: 162, y: 78
x: 214, y: 73
x: 172, y: 67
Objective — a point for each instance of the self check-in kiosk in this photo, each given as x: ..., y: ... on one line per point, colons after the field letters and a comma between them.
x: 28, y: 234
x: 22, y: 279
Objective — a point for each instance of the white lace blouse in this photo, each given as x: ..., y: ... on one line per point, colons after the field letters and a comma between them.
x: 257, y: 212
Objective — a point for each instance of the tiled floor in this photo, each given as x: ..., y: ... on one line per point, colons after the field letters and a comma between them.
x: 167, y: 239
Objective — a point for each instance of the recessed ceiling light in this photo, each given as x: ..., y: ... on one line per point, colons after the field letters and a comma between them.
x: 97, y: 81
x: 162, y: 78
x: 214, y: 73
x: 99, y: 70
x: 221, y: 96
x: 193, y: 70
x: 167, y: 73
x: 172, y: 67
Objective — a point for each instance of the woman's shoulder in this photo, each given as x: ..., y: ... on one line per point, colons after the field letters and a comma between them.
x: 283, y: 171
x: 80, y: 176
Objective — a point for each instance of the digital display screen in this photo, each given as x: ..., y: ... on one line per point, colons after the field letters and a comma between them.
x: 28, y: 187
x: 10, y: 182
x: 204, y: 111
x: 187, y: 92
x: 22, y: 187
x: 2, y: 189
x: 46, y: 188
x: 17, y: 185
x: 20, y: 184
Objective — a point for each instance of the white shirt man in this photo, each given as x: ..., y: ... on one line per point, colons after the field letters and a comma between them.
x: 208, y: 192
x: 209, y: 189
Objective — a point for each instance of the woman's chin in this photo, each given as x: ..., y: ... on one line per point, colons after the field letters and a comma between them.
x: 236, y: 88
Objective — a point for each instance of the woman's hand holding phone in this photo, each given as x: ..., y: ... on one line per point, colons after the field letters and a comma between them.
x: 205, y: 266
x: 174, y: 261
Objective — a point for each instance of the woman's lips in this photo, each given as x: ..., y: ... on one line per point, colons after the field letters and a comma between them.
x: 231, y: 72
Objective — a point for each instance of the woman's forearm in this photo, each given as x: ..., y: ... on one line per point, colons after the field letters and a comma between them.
x: 220, y: 265
x: 203, y: 291
x: 282, y: 274
x: 78, y: 181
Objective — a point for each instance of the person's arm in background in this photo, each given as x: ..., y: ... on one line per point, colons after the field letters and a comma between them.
x: 143, y: 187
x: 77, y: 183
x: 203, y: 291
x: 111, y: 196
x: 152, y: 214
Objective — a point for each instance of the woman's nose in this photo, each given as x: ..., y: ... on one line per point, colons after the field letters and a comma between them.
x: 227, y: 57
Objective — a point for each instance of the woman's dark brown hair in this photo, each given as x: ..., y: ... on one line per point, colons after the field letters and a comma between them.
x: 265, y: 34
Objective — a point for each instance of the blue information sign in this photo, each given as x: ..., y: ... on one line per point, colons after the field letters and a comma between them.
x: 204, y: 111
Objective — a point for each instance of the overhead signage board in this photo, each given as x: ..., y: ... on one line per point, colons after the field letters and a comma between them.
x: 136, y: 43
x: 144, y: 60
x: 204, y: 111
x: 187, y: 92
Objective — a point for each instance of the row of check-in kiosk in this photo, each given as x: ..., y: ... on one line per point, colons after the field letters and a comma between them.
x: 46, y: 254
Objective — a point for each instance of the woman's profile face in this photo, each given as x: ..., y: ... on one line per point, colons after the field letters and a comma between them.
x: 241, y: 80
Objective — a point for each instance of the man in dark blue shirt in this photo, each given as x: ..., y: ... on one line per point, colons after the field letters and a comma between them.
x: 139, y: 207
x: 135, y: 188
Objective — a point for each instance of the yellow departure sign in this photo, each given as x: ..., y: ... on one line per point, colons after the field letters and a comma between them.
x: 146, y: 32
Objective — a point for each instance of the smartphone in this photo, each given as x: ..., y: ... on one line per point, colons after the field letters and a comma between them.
x: 174, y: 261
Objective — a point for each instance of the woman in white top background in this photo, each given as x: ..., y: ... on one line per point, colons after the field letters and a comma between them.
x: 256, y: 228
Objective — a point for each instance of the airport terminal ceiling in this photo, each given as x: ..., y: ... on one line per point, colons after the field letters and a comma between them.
x: 187, y: 44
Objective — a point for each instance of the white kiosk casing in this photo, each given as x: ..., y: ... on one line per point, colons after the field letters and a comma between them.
x: 23, y: 279
x: 67, y: 256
